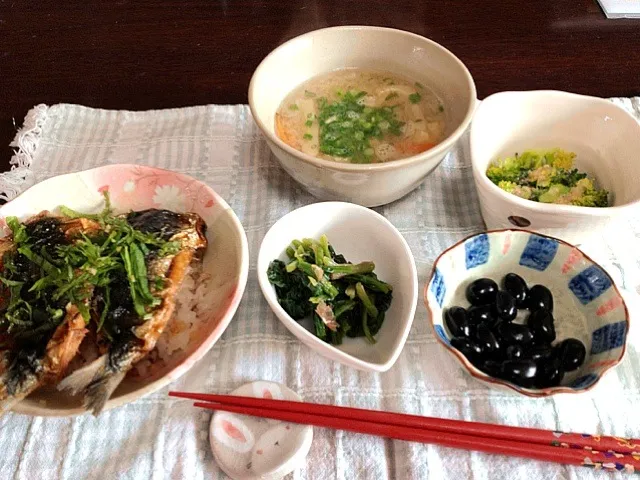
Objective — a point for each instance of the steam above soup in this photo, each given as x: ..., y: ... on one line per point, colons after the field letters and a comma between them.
x: 361, y: 116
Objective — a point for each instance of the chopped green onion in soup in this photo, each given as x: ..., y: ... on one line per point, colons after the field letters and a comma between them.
x: 361, y: 116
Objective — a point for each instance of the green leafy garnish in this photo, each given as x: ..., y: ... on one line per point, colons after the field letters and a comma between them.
x: 308, y: 123
x: 18, y: 230
x: 307, y: 136
x: 294, y: 107
x: 43, y: 279
x: 415, y: 98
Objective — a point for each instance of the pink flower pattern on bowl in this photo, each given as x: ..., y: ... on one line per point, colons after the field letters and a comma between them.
x: 136, y: 187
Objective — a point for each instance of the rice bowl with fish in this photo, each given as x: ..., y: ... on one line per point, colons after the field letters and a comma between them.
x: 173, y: 331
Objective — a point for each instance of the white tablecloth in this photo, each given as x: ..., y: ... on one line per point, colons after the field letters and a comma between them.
x: 157, y: 437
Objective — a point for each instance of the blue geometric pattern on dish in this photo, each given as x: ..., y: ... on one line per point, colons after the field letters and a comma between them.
x: 589, y: 284
x: 539, y: 253
x: 608, y: 337
x: 438, y: 288
x: 601, y: 325
x: 441, y: 333
x: 584, y: 381
x: 476, y: 251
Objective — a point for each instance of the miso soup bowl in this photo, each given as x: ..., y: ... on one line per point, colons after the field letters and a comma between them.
x: 604, y: 136
x: 376, y: 48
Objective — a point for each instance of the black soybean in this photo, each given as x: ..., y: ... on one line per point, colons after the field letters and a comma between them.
x: 506, y: 306
x: 469, y: 348
x: 481, y: 314
x: 520, y: 372
x: 514, y: 352
x: 539, y: 352
x: 515, y: 333
x: 540, y: 297
x: 517, y: 287
x: 482, y: 291
x: 487, y: 339
x: 491, y: 367
x: 521, y: 354
x: 541, y: 324
x: 550, y: 373
x: 572, y: 354
x: 457, y: 321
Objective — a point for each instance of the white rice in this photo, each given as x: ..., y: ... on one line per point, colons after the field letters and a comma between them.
x: 183, y: 327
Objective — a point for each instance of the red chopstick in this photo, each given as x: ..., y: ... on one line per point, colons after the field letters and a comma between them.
x: 488, y: 430
x: 598, y: 460
x: 455, y: 433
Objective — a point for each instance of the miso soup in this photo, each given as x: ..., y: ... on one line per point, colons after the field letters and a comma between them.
x: 361, y: 116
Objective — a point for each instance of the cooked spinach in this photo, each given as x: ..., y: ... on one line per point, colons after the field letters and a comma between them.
x: 344, y: 299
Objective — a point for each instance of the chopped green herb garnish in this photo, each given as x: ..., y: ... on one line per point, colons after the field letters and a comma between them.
x: 308, y: 123
x: 415, y: 98
x: 307, y: 136
x: 347, y: 126
x: 294, y: 107
x: 43, y: 277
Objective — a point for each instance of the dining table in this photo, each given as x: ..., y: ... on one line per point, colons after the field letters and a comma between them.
x: 140, y: 55
x: 165, y: 84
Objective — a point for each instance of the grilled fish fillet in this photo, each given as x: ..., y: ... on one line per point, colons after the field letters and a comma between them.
x: 98, y: 380
x: 25, y: 368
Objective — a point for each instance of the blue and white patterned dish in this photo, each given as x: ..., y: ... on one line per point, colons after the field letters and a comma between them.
x: 588, y: 305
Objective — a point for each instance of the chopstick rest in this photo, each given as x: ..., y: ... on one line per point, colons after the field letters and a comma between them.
x: 251, y: 448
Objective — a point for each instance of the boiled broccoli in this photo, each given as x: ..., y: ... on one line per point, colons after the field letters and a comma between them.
x: 541, y: 176
x: 585, y: 184
x: 559, y: 159
x: 567, y: 177
x: 513, y: 169
x: 593, y: 198
x: 512, y: 187
x: 554, y: 194
x: 546, y: 176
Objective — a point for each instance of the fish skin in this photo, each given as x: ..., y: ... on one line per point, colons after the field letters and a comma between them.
x: 63, y: 345
x: 30, y: 369
x: 98, y: 380
x: 22, y: 373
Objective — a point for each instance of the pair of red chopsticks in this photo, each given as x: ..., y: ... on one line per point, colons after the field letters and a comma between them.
x: 599, y: 452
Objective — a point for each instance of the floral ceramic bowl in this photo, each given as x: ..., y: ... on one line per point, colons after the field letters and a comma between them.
x: 588, y: 305
x: 134, y: 187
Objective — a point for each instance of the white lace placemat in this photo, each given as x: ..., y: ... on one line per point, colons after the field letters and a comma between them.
x: 157, y: 437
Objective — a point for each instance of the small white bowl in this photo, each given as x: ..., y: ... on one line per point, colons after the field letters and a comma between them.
x: 359, y: 234
x: 605, y: 137
x: 323, y: 51
x: 137, y: 187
